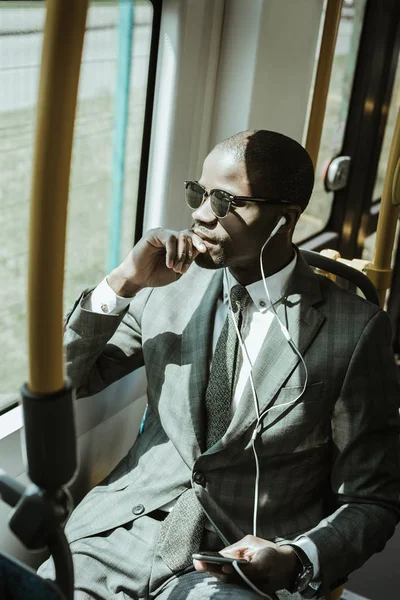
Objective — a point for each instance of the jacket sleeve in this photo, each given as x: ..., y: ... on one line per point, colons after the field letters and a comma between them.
x: 365, y: 476
x: 102, y: 348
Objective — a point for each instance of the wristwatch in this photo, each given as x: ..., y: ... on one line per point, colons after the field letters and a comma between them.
x: 302, y: 580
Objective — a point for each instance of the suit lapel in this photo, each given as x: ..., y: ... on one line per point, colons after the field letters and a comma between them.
x: 277, y: 360
x: 195, y: 355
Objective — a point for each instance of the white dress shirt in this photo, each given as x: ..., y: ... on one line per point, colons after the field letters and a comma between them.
x: 257, y: 319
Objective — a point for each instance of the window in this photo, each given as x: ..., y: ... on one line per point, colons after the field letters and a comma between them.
x: 316, y: 216
x: 387, y: 139
x: 369, y: 241
x: 21, y: 37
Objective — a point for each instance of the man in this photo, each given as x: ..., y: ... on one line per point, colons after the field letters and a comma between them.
x: 325, y: 389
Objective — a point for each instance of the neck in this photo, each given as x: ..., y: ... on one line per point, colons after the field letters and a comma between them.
x: 272, y: 263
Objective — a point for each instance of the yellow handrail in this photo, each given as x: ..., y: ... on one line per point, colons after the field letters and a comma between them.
x: 61, y: 59
x: 380, y: 272
x: 336, y: 594
x: 322, y: 78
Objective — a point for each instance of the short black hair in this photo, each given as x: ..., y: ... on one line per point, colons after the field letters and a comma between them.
x: 277, y: 166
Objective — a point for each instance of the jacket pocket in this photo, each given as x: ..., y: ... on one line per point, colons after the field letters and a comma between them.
x: 294, y: 394
x: 297, y: 421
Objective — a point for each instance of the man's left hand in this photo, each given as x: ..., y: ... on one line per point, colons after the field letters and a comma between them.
x: 273, y: 567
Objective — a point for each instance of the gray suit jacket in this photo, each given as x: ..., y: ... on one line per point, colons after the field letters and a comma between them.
x: 329, y: 463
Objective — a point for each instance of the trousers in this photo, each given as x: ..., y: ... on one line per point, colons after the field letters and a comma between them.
x: 125, y: 564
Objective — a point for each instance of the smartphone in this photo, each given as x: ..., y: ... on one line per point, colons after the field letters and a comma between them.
x: 217, y: 559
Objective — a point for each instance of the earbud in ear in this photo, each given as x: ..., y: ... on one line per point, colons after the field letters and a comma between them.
x: 279, y: 224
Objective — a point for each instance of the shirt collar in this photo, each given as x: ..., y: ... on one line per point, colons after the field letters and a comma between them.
x: 276, y: 284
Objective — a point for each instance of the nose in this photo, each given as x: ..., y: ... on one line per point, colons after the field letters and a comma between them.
x: 204, y: 212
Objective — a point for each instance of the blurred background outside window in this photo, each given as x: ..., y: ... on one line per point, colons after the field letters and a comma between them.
x: 316, y: 216
x: 21, y: 38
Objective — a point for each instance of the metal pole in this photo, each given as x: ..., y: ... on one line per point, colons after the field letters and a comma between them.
x: 322, y: 79
x: 125, y: 37
x: 380, y: 272
x: 61, y: 60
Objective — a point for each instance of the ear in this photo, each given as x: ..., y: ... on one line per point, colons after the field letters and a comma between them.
x: 292, y: 215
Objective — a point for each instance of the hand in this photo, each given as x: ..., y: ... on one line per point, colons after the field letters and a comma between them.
x: 270, y: 566
x: 158, y: 259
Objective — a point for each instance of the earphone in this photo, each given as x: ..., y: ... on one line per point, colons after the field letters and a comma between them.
x: 280, y: 223
x: 261, y: 416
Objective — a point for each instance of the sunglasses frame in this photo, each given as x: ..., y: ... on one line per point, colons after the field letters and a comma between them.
x: 230, y: 199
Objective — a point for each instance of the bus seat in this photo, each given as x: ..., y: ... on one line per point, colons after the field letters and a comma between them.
x: 19, y: 582
x: 355, y: 277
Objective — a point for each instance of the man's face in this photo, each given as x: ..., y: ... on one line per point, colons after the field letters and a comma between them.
x: 236, y: 240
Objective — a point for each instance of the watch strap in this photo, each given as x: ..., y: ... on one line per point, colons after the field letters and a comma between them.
x: 303, y: 578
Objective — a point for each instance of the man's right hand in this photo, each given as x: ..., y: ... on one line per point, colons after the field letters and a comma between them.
x: 158, y: 259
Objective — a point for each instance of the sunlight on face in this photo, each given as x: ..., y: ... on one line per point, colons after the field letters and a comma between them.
x: 236, y: 240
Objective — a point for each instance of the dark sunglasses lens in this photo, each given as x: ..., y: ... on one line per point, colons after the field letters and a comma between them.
x: 220, y: 203
x: 194, y: 194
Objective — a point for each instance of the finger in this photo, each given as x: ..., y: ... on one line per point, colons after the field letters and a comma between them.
x: 235, y: 551
x: 222, y: 572
x: 228, y: 569
x: 197, y: 242
x: 191, y: 254
x: 171, y: 250
x: 247, y: 544
x: 181, y: 253
x: 187, y: 256
x: 200, y: 565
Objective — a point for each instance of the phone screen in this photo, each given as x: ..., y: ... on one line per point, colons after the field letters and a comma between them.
x: 217, y: 558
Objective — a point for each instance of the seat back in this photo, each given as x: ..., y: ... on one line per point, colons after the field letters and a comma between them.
x: 19, y: 582
x: 355, y: 277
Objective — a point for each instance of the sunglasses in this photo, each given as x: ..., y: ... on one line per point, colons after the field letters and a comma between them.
x: 220, y: 201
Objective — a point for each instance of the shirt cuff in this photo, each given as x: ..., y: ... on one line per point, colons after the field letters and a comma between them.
x: 104, y: 300
x: 308, y: 546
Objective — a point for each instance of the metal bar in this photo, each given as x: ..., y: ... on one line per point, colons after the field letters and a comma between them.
x: 337, y: 593
x: 366, y: 120
x: 322, y: 78
x: 125, y: 36
x: 61, y: 59
x: 380, y: 272
x: 148, y: 117
x: 393, y: 304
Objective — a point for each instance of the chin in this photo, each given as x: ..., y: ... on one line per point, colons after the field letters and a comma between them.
x: 206, y: 261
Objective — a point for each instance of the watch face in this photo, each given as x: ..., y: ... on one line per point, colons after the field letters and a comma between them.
x: 304, y: 579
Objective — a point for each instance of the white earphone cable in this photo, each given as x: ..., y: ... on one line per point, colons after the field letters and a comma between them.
x: 251, y: 584
x: 260, y: 417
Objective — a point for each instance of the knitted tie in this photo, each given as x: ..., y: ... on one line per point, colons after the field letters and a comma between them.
x: 224, y: 370
x: 182, y: 530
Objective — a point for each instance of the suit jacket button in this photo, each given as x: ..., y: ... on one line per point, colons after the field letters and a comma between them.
x: 199, y: 478
x: 138, y: 509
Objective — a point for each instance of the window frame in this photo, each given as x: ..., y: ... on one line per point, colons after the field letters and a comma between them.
x: 145, y: 151
x: 354, y: 212
x: 148, y: 119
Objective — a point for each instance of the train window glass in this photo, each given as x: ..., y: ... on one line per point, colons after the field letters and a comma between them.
x: 387, y: 139
x: 369, y: 242
x: 317, y: 214
x: 88, y: 235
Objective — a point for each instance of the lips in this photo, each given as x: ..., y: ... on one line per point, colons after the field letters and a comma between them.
x: 204, y: 237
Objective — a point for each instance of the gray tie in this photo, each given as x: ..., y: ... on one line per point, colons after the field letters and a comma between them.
x: 182, y: 530
x: 225, y: 366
